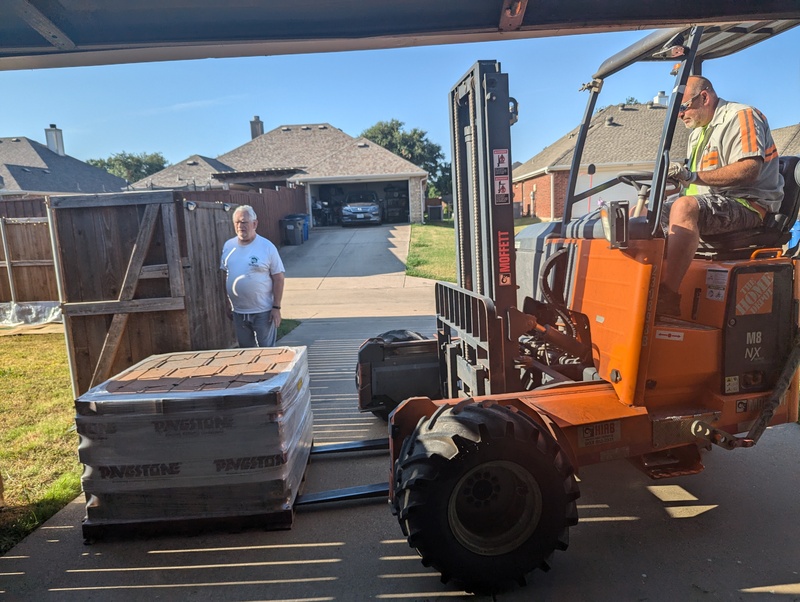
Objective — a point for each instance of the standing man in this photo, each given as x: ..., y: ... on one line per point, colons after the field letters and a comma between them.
x: 254, y: 282
x: 731, y: 180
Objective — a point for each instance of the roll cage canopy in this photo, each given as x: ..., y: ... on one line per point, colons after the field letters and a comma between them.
x: 687, y: 48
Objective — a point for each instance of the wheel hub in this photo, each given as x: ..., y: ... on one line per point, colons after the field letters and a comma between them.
x: 495, y: 507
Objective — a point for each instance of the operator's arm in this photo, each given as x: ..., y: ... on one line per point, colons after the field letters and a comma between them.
x: 742, y: 173
x: 277, y: 295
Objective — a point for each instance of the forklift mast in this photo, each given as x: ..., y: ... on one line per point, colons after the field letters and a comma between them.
x: 478, y: 358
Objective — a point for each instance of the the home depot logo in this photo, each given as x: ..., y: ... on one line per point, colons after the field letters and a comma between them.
x: 755, y: 293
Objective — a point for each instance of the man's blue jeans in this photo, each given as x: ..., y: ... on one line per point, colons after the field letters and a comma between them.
x: 255, y: 330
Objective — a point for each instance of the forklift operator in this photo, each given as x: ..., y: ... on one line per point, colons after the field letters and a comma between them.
x: 730, y: 180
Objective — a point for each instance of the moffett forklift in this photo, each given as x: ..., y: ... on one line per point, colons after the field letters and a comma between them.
x: 550, y: 357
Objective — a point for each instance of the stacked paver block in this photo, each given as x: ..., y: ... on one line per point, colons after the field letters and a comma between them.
x: 196, y: 439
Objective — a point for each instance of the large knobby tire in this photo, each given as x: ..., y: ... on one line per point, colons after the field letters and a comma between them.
x: 485, y: 495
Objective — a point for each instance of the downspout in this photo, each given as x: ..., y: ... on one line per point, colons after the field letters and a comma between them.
x: 307, y: 186
x: 552, y: 194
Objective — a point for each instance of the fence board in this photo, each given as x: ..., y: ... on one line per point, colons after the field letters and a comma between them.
x: 102, y: 250
x: 271, y: 206
x: 27, y: 207
x: 31, y: 261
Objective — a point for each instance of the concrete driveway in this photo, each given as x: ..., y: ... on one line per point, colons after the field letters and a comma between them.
x: 729, y: 533
x: 346, y: 272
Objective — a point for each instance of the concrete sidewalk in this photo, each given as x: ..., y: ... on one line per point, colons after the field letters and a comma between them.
x: 729, y: 533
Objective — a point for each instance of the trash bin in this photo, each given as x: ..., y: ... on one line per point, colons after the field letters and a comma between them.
x: 292, y: 231
x: 306, y: 222
x: 435, y: 213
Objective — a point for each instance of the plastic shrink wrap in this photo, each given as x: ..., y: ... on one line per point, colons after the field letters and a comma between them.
x: 194, y: 436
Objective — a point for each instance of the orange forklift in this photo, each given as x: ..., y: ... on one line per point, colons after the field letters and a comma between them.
x: 548, y: 354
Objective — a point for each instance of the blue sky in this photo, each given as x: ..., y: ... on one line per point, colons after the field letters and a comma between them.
x: 205, y: 106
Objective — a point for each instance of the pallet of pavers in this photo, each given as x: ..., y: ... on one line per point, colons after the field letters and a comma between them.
x: 196, y: 440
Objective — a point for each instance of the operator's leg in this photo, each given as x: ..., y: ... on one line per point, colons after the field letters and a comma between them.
x: 690, y: 217
x: 683, y: 236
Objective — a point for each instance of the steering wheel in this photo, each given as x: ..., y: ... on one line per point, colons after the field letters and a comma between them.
x: 642, y: 181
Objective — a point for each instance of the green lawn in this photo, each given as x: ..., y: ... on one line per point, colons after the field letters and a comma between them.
x: 432, y: 252
x: 38, y: 443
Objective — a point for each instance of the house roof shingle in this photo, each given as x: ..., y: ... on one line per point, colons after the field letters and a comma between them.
x: 358, y: 157
x: 193, y: 171
x: 28, y: 166
x: 787, y: 140
x: 287, y: 146
x: 296, y: 152
x: 619, y: 134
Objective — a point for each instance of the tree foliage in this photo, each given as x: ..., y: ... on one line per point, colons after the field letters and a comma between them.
x: 414, y: 146
x: 132, y: 167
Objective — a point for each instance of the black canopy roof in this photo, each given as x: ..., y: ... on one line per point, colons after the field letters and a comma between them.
x: 58, y: 33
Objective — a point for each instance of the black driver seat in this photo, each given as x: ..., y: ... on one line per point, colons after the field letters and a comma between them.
x: 775, y: 229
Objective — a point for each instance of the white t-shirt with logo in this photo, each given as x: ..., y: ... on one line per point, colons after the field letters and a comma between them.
x: 250, y: 268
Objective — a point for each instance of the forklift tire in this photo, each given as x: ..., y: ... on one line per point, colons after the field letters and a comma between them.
x: 485, y: 494
x: 400, y: 335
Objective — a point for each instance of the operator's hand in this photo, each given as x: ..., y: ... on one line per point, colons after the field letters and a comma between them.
x: 681, y: 173
x: 275, y: 314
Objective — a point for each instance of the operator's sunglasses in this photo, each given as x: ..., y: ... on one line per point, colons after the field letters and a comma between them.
x: 685, y: 106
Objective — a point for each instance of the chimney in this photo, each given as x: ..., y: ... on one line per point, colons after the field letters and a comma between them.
x: 55, y: 139
x: 660, y: 98
x: 256, y: 127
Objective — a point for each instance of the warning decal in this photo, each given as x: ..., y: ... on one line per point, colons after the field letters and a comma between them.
x: 716, y: 283
x: 502, y: 195
x: 500, y: 161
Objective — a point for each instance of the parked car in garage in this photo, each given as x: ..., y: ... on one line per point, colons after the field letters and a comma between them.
x: 361, y: 207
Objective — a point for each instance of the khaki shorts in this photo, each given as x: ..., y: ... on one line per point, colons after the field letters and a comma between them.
x: 718, y: 215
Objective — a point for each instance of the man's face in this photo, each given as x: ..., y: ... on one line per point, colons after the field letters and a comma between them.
x: 699, y: 109
x: 245, y: 228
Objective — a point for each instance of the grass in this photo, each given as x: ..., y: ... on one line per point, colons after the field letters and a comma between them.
x: 38, y: 443
x: 432, y: 251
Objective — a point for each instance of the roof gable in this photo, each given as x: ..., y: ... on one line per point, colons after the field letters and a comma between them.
x: 287, y: 146
x: 28, y: 166
x: 360, y: 157
x: 193, y: 172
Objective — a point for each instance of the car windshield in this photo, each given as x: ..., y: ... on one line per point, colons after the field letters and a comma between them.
x: 364, y: 197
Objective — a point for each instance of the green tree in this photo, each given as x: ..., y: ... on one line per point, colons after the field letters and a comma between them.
x: 132, y: 167
x: 442, y: 181
x: 412, y: 145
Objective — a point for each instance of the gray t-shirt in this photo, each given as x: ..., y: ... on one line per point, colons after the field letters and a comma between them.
x: 738, y: 131
x: 250, y: 268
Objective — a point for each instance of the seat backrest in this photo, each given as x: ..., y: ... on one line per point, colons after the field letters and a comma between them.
x: 790, y: 170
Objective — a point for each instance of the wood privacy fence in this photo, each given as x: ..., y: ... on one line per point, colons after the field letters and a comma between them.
x: 26, y: 256
x: 137, y: 273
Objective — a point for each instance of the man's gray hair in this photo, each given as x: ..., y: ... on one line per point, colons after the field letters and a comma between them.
x: 251, y: 213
